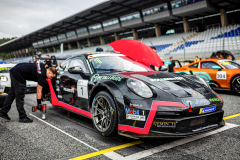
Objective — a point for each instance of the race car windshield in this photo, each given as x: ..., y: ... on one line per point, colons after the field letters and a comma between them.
x: 117, y: 64
x: 230, y: 64
x: 5, y: 69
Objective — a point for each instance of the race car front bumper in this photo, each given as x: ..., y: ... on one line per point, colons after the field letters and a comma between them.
x: 181, y: 126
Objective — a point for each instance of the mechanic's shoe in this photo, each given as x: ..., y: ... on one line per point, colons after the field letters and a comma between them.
x: 25, y: 120
x: 5, y: 116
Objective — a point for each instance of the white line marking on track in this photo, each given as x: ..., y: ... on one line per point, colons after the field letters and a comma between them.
x: 64, y: 132
x: 167, y: 146
x: 109, y: 155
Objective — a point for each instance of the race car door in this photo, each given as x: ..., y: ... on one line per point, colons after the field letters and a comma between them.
x: 192, y: 69
x: 75, y: 86
x: 215, y: 72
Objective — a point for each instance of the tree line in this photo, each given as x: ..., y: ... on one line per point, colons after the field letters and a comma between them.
x: 3, y: 40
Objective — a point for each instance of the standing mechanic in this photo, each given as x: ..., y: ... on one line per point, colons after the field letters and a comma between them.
x: 19, y: 74
x: 48, y: 62
x: 172, y: 65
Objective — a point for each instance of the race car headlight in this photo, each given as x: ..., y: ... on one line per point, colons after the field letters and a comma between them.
x: 139, y: 88
x: 203, y: 81
x: 4, y: 79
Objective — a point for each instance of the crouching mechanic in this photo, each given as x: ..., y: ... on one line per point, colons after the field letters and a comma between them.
x: 19, y: 74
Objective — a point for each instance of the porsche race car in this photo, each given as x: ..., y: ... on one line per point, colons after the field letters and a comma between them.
x: 218, y: 73
x: 120, y: 94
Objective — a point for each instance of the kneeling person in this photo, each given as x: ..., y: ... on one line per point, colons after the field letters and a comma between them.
x: 19, y: 74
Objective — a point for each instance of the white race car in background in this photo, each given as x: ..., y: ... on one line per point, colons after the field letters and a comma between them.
x: 5, y: 81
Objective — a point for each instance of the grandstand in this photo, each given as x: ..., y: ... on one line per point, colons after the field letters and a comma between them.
x: 174, y: 27
x: 211, y: 40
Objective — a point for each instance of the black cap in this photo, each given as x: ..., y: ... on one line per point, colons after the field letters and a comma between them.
x: 170, y: 57
x: 99, y: 49
x: 214, y: 55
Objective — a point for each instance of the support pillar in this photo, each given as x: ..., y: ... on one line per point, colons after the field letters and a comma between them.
x: 224, y: 19
x: 78, y: 45
x: 135, y: 34
x: 116, y: 36
x: 157, y: 30
x: 48, y: 50
x: 21, y: 53
x: 14, y: 53
x: 33, y: 51
x: 185, y: 24
x: 89, y: 43
x: 69, y: 46
x: 102, y: 40
x: 54, y: 49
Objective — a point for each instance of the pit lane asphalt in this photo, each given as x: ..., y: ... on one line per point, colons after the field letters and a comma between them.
x: 41, y: 141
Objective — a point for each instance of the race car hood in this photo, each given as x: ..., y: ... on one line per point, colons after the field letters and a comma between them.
x: 180, y: 86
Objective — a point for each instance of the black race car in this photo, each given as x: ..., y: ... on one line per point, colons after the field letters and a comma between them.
x: 120, y: 94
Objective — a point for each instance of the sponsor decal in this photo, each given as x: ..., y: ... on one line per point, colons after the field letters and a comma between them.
x: 207, y: 110
x: 98, y: 77
x: 135, y: 105
x: 168, y: 79
x: 98, y: 60
x: 135, y: 117
x: 196, y: 102
x: 214, y: 100
x: 164, y: 124
x: 3, y: 69
x: 195, y: 93
x: 133, y: 111
x: 134, y: 114
x: 28, y: 85
x: 189, y: 104
x: 59, y: 96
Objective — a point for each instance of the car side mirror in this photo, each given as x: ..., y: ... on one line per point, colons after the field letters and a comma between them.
x: 164, y: 68
x: 216, y: 67
x: 75, y: 70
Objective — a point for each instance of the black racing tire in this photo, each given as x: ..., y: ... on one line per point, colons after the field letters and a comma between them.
x: 235, y: 84
x: 104, y: 114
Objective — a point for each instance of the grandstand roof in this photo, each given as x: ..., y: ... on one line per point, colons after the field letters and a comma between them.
x: 97, y: 14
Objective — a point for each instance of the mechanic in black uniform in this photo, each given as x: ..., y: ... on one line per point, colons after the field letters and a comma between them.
x: 48, y: 62
x: 172, y: 65
x: 19, y: 74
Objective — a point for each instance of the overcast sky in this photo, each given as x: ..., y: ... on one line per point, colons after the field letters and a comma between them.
x: 20, y: 17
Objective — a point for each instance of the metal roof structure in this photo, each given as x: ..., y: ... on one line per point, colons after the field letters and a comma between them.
x: 100, y: 13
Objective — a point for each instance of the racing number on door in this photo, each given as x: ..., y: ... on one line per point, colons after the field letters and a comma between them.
x: 82, y: 88
x: 221, y: 75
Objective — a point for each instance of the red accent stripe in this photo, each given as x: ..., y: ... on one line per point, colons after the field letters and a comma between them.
x: 37, y: 66
x: 220, y: 98
x: 150, y: 118
x: 55, y: 102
